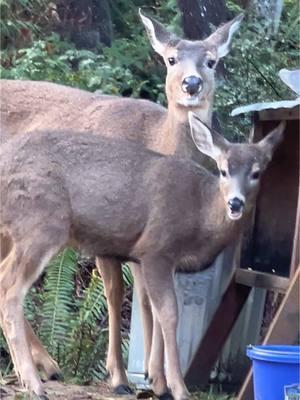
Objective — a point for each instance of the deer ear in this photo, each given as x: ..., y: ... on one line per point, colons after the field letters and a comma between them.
x: 269, y: 143
x: 158, y: 35
x: 210, y: 143
x: 221, y: 38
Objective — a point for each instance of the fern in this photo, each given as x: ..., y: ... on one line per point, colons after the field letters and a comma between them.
x: 58, y: 302
x: 127, y: 275
x: 86, y: 347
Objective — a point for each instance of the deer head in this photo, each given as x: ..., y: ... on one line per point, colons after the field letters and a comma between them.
x: 240, y: 165
x: 190, y: 64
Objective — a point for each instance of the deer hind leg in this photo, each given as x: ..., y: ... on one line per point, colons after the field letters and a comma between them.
x: 111, y: 273
x: 160, y: 286
x: 41, y: 358
x: 18, y: 271
x: 39, y: 354
x: 146, y: 314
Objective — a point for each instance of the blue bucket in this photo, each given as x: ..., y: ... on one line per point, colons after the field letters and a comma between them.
x: 276, y: 372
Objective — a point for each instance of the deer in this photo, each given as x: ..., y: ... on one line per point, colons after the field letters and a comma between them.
x: 114, y: 198
x: 190, y: 85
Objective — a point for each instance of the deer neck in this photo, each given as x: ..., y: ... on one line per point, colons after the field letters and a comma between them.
x: 175, y: 137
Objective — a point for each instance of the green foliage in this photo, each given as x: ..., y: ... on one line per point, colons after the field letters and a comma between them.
x: 85, y: 351
x: 111, y: 71
x: 253, y: 64
x: 58, y: 300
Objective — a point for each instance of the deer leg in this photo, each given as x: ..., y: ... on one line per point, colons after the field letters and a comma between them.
x: 111, y: 273
x: 156, y: 361
x: 160, y: 285
x: 146, y: 312
x: 40, y: 356
x: 18, y: 271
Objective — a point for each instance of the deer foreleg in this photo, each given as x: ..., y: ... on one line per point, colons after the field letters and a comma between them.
x: 156, y: 362
x: 146, y: 313
x: 111, y: 273
x: 159, y: 282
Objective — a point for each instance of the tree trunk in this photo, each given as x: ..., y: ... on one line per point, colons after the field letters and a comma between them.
x: 200, y: 17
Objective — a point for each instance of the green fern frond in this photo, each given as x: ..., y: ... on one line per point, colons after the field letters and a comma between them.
x: 58, y: 299
x: 94, y: 305
x: 86, y: 348
x: 127, y: 275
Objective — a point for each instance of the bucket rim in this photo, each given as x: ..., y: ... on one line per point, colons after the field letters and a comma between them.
x: 275, y: 353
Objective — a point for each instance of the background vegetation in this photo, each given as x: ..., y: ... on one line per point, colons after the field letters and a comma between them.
x: 67, y: 307
x: 129, y: 67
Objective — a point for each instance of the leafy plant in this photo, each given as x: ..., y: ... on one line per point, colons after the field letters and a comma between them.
x: 58, y: 301
x: 252, y: 67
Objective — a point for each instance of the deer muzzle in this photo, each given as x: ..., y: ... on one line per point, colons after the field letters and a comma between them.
x: 192, y: 85
x: 236, y: 207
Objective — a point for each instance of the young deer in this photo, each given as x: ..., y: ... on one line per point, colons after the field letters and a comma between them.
x: 190, y: 85
x: 117, y: 199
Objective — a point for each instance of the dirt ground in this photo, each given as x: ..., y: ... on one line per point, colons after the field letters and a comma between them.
x: 60, y: 391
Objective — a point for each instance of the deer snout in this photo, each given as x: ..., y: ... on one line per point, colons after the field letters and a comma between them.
x: 192, y: 84
x: 236, y: 205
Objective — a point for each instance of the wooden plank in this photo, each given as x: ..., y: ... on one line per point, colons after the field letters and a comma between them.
x: 261, y: 280
x: 279, y: 114
x: 216, y: 335
x: 296, y: 245
x: 283, y: 330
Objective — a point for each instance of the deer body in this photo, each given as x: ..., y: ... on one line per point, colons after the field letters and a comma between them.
x: 33, y: 106
x: 69, y: 169
x: 115, y: 199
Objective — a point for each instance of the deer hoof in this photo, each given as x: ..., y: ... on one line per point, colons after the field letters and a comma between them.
x: 145, y: 394
x: 57, y: 376
x: 166, y: 396
x: 122, y: 389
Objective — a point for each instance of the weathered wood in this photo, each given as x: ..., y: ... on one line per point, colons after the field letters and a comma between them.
x: 296, y: 245
x: 284, y: 328
x: 216, y: 335
x: 261, y: 280
x: 279, y: 114
x: 271, y: 244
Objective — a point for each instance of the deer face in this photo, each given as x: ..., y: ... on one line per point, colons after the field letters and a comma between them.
x: 240, y: 165
x: 190, y: 64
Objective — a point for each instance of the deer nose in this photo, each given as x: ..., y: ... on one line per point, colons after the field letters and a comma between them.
x: 191, y: 84
x: 236, y: 204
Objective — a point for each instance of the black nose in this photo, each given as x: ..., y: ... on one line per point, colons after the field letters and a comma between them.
x: 191, y: 84
x: 236, y: 204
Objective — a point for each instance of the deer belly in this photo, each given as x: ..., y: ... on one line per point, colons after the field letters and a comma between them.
x: 105, y: 236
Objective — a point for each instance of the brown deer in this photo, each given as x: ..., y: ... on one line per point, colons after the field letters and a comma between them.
x: 189, y: 86
x: 116, y: 199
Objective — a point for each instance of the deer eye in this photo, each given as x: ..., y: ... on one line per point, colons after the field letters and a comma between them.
x: 223, y: 173
x: 211, y: 63
x: 172, y: 60
x: 255, y: 175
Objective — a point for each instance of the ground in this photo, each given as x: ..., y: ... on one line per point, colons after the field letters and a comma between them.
x: 61, y: 391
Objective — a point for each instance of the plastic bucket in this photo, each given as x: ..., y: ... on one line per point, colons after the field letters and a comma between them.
x: 276, y: 371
